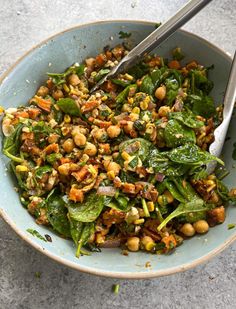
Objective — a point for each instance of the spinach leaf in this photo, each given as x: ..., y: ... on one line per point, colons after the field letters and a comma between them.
x: 195, y: 205
x: 147, y: 85
x: 123, y: 94
x: 80, y: 233
x: 176, y: 134
x: 69, y: 106
x: 123, y: 35
x: 53, y: 157
x: 122, y: 83
x: 201, y: 105
x: 187, y: 118
x: 40, y: 171
x: 57, y: 213
x: 156, y: 76
x: 20, y: 180
x: 174, y: 191
x: 100, y: 74
x: 36, y: 234
x: 139, y: 147
x: 11, y: 144
x: 79, y: 70
x: 191, y: 154
x: 139, y: 70
x: 199, y: 81
x: 89, y: 210
x: 161, y: 164
x: 172, y: 87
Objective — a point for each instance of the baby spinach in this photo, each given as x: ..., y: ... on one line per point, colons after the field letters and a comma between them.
x: 36, y: 234
x: 174, y: 191
x: 60, y: 78
x: 199, y: 81
x: 172, y: 87
x: 80, y: 233
x: 123, y: 94
x: 176, y: 134
x: 141, y: 147
x: 191, y: 154
x: 100, y: 74
x: 57, y: 213
x: 123, y: 35
x: 11, y: 144
x: 187, y: 118
x: 195, y: 205
x: 18, y: 176
x: 53, y: 157
x: 122, y: 83
x: 161, y: 164
x: 40, y: 171
x: 201, y: 105
x: 147, y: 85
x: 89, y: 210
x: 69, y: 106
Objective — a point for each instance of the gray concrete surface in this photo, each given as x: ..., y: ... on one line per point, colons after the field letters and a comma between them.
x: 26, y: 22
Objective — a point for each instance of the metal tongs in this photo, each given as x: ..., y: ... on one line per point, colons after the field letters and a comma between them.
x: 156, y: 38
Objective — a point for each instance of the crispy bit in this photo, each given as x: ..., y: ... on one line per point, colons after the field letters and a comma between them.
x: 76, y: 195
x: 216, y: 216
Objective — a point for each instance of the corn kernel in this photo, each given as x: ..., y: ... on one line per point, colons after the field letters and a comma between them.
x: 128, y: 76
x: 144, y: 103
x: 160, y: 200
x: 1, y: 110
x: 99, y: 238
x: 133, y: 116
x: 136, y: 110
x: 125, y: 155
x: 104, y: 98
x: 21, y: 168
x: 150, y: 206
x: 149, y: 246
x: 139, y: 221
x: 111, y: 175
x: 67, y: 118
x: 130, y: 100
x: 66, y: 88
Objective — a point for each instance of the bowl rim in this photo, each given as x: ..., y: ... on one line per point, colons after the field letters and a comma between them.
x: 89, y: 270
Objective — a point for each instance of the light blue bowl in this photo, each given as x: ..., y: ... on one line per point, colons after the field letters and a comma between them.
x: 55, y: 55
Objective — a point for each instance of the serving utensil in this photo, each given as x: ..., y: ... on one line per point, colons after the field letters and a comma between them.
x: 229, y: 101
x: 156, y: 38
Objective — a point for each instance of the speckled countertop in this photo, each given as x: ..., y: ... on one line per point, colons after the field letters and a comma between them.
x: 26, y: 22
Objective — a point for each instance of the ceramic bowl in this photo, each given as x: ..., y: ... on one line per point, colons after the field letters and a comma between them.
x: 55, y: 55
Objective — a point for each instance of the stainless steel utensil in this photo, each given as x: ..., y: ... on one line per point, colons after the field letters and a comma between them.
x: 229, y: 101
x: 156, y: 38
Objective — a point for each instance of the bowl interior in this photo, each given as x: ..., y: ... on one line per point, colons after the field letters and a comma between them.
x: 55, y: 55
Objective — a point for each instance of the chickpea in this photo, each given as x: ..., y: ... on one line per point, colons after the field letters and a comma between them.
x: 160, y: 93
x: 57, y: 94
x: 113, y: 166
x: 73, y: 79
x: 64, y: 169
x: 100, y: 135
x: 163, y: 111
x: 78, y: 129
x: 201, y: 226
x: 187, y: 229
x: 42, y: 91
x: 148, y: 243
x: 68, y: 145
x: 169, y: 197
x: 113, y: 131
x: 79, y: 139
x: 90, y: 149
x: 133, y: 243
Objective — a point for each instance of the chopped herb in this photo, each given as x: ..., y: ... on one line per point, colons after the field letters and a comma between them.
x: 231, y: 226
x: 37, y: 274
x: 116, y: 288
x: 123, y: 35
x: 36, y: 234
